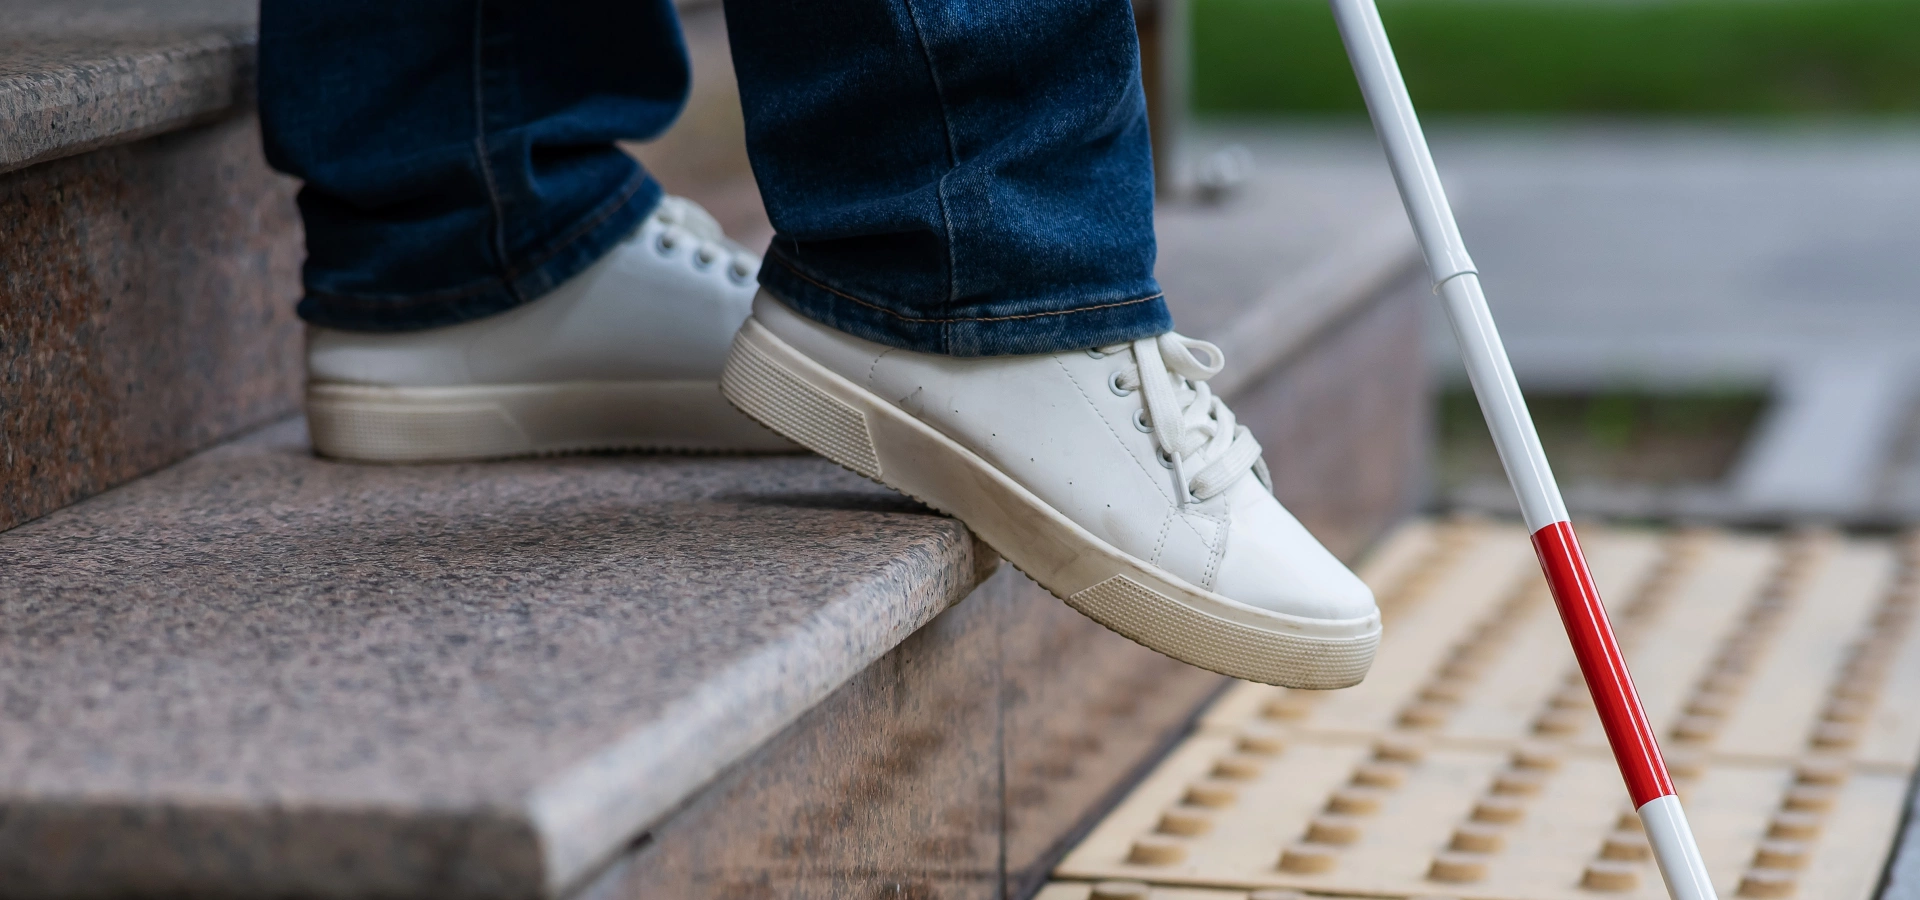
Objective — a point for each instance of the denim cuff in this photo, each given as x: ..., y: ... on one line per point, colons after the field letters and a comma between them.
x: 524, y: 280
x: 1069, y: 323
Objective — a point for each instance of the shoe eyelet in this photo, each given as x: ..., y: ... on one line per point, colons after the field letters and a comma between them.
x: 1166, y: 459
x: 1141, y: 422
x: 738, y: 274
x: 703, y: 259
x: 1113, y: 384
x: 1094, y: 353
x: 664, y: 244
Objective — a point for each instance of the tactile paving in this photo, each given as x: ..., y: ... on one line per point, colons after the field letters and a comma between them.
x: 1778, y: 669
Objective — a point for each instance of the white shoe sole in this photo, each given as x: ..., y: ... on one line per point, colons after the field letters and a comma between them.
x: 790, y: 393
x: 372, y: 423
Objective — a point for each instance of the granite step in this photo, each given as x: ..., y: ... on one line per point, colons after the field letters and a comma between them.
x: 150, y: 259
x: 261, y: 673
x: 257, y: 672
x: 76, y: 75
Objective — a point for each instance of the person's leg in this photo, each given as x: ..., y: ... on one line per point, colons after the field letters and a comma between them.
x: 487, y: 273
x: 458, y: 155
x: 971, y: 179
x: 960, y: 303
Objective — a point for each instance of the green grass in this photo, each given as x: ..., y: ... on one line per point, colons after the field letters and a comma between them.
x: 1740, y: 57
x: 1613, y: 436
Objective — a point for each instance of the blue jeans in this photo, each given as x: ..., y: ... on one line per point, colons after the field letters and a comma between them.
x: 967, y: 178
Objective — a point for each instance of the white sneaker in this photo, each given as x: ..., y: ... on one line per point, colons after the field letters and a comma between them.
x: 1113, y: 477
x: 625, y: 355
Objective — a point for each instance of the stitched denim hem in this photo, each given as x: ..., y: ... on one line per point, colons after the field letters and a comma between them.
x: 1092, y: 321
x: 529, y: 278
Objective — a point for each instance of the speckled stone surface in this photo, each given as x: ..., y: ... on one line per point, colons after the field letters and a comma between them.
x: 146, y: 309
x: 958, y: 766
x: 889, y: 788
x: 906, y: 783
x: 80, y: 74
x: 260, y: 673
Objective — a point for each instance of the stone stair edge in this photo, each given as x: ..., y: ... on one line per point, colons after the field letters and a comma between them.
x: 580, y: 829
x: 540, y: 838
x: 78, y: 76
x: 126, y: 89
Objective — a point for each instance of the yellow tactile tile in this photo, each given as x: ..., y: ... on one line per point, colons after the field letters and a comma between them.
x: 1470, y: 765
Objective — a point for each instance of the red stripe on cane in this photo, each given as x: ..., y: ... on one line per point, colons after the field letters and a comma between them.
x: 1601, y: 663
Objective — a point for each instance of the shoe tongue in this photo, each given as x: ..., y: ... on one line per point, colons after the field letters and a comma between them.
x: 694, y: 218
x: 1185, y: 395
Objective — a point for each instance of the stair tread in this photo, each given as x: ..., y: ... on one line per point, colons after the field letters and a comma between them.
x: 81, y: 74
x: 453, y: 680
x: 518, y: 665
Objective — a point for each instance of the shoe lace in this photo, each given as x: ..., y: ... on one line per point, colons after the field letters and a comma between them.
x: 685, y: 221
x: 1198, y: 438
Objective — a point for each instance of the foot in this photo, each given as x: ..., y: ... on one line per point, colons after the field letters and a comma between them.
x: 625, y: 355
x: 1111, y: 476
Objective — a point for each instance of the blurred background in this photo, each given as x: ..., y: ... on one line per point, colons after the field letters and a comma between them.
x: 1695, y: 220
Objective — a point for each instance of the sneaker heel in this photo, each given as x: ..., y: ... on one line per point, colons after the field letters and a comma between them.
x: 763, y: 386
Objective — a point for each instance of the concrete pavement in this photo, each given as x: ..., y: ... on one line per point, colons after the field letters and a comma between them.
x: 1683, y: 257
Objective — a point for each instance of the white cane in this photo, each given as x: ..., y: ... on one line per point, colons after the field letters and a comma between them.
x: 1574, y: 593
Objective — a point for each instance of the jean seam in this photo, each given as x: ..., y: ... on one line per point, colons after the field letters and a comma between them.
x: 953, y: 163
x: 585, y: 226
x: 481, y: 151
x: 952, y: 319
x: 513, y: 273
